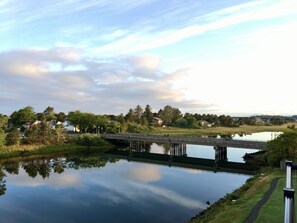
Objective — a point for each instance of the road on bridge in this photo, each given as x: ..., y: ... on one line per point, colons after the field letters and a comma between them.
x: 188, y: 140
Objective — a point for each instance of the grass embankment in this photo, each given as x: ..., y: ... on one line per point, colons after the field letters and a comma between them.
x: 28, y: 150
x: 244, y: 129
x: 273, y: 210
x: 231, y: 209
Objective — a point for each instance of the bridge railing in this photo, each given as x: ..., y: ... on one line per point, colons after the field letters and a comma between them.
x: 289, y: 194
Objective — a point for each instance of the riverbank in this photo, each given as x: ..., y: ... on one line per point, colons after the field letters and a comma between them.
x: 29, y: 150
x: 237, y: 206
x: 244, y: 129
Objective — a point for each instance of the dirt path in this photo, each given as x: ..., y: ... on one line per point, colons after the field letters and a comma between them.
x: 255, y: 211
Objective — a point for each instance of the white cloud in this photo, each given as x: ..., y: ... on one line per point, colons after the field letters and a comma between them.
x: 107, y: 85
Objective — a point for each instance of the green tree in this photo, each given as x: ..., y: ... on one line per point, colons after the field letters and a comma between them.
x: 101, y: 122
x: 60, y: 134
x: 283, y: 147
x: 20, y: 117
x: 50, y: 114
x: 61, y: 117
x: 13, y: 137
x: 74, y: 118
x: 114, y: 127
x: 148, y: 114
x: 138, y: 111
x: 137, y: 128
x: 130, y: 116
x: 169, y: 114
x: 3, y: 127
x: 181, y: 122
x: 192, y: 122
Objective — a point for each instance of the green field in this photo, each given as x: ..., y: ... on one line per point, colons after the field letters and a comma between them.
x: 244, y: 129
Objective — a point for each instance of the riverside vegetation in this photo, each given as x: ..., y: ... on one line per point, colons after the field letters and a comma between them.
x: 21, y: 135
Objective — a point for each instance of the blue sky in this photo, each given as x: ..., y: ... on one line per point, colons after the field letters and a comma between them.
x: 219, y: 56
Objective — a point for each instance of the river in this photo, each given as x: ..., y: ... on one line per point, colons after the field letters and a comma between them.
x: 99, y: 188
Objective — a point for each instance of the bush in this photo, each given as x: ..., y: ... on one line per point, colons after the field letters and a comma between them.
x: 13, y: 137
x: 282, y: 148
x: 136, y: 128
x: 88, y: 139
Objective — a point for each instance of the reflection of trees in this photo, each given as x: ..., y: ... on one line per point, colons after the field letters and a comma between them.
x: 139, y: 146
x: 45, y: 166
x: 11, y: 167
x: 166, y: 149
x: 2, y: 182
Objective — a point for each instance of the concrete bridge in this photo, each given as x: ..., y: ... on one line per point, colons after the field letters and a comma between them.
x: 218, y: 143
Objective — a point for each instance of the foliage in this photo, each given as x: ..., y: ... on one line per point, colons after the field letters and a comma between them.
x: 2, y: 182
x: 148, y: 114
x: 137, y: 128
x: 283, y: 147
x: 49, y: 114
x: 169, y: 114
x: 20, y: 117
x: 181, y: 123
x: 13, y: 137
x: 87, y: 122
x: 43, y: 134
x: 114, y: 127
x: 88, y: 139
x: 3, y: 127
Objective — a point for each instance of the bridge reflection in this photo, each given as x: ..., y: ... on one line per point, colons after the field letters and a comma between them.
x: 177, y: 156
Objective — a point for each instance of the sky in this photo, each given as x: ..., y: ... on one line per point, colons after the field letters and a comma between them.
x: 233, y: 57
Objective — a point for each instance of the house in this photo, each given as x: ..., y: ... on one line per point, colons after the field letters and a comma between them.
x: 205, y: 123
x: 157, y: 121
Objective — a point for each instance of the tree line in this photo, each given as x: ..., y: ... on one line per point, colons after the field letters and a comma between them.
x: 49, y: 128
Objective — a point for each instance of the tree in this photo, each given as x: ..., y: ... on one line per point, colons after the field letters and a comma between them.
x: 120, y: 118
x: 169, y: 114
x: 148, y: 114
x: 181, y: 122
x: 130, y: 116
x: 192, y: 122
x: 60, y: 133
x: 13, y: 137
x: 20, y: 117
x: 114, y: 127
x: 101, y: 122
x: 49, y: 114
x: 283, y: 147
x: 61, y: 117
x: 3, y: 127
x: 138, y: 111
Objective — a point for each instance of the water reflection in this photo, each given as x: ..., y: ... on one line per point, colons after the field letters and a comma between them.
x: 44, y: 166
x: 95, y: 188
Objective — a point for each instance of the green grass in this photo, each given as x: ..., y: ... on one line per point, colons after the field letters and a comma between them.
x: 273, y: 210
x: 28, y: 150
x: 237, y: 211
x: 246, y: 129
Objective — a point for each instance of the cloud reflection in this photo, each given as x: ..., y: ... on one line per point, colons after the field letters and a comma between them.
x: 146, y: 173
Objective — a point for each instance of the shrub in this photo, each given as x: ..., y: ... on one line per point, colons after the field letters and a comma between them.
x: 88, y: 139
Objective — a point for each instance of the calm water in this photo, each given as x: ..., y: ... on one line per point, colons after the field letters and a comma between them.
x: 101, y: 189
x: 96, y: 188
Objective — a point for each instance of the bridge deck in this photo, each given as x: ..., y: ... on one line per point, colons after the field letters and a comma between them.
x: 188, y: 140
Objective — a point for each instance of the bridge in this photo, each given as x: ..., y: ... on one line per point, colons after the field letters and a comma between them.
x: 219, y: 143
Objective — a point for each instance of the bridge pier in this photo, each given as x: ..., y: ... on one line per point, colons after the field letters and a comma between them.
x: 220, y: 153
x: 177, y: 149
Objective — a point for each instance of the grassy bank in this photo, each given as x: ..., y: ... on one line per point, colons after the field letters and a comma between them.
x: 231, y: 209
x: 244, y: 129
x: 28, y: 150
